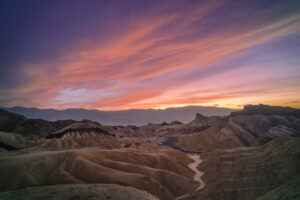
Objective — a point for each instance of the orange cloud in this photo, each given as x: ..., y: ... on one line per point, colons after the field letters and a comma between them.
x: 150, y: 65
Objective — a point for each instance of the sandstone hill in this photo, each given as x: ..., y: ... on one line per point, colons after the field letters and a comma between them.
x: 80, y: 128
x: 241, y: 131
x: 204, y: 121
x: 162, y: 173
x: 250, y: 173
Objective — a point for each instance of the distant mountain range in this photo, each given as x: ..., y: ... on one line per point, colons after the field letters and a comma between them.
x: 126, y: 117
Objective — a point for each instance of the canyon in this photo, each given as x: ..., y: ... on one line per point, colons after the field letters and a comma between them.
x: 249, y: 154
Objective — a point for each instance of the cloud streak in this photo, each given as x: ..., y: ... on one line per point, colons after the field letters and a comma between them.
x: 213, y: 52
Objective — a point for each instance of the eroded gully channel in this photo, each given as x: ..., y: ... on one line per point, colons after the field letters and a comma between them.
x: 194, y: 155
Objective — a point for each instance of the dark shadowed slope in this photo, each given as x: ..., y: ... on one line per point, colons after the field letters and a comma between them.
x: 12, y: 141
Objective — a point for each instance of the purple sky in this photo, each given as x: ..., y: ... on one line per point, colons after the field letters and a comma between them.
x: 115, y: 55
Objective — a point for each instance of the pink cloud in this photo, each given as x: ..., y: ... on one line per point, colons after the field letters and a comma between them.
x: 145, y: 67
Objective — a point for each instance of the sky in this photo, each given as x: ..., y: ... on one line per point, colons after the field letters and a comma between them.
x: 116, y: 54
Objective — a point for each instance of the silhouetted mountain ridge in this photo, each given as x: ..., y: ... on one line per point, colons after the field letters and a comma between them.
x: 267, y: 110
x: 15, y: 123
x: 125, y: 117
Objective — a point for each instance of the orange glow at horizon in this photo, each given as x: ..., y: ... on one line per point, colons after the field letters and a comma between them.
x: 171, y: 56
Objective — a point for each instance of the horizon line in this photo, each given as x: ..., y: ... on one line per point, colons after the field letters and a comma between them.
x: 165, y: 108
x: 95, y: 109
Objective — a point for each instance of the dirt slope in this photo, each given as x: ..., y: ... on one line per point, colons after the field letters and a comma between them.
x: 163, y: 174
